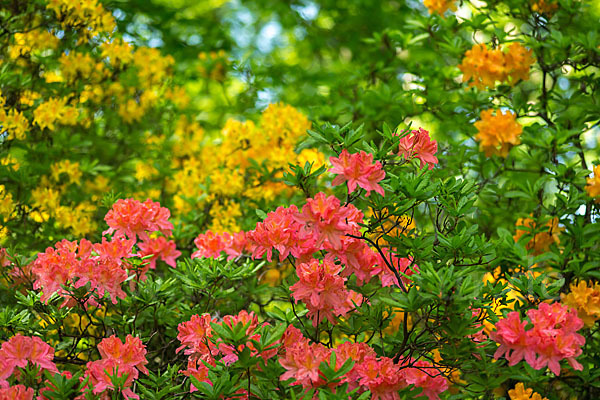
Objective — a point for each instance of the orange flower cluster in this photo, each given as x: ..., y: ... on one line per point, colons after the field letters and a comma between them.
x: 593, y: 184
x: 541, y: 241
x: 520, y: 393
x: 586, y: 300
x: 497, y: 132
x: 439, y: 6
x: 486, y: 66
x: 544, y: 6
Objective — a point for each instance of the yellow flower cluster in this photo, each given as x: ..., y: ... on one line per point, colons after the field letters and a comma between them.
x: 117, y: 51
x: 76, y: 65
x: 487, y: 66
x: 47, y: 200
x: 7, y: 205
x: 439, y: 6
x: 520, y: 393
x: 145, y: 171
x: 32, y: 41
x: 224, y: 216
x: 221, y: 167
x: 70, y: 169
x: 11, y: 162
x: 542, y: 241
x: 55, y: 110
x: 13, y: 121
x: 88, y: 15
x: 586, y: 300
x: 497, y: 132
x: 593, y: 183
x: 544, y: 6
x: 152, y: 67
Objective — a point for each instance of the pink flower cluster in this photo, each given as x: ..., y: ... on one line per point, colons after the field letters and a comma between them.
x: 117, y: 358
x: 418, y: 144
x: 74, y: 263
x: 357, y: 169
x: 133, y: 218
x: 552, y: 338
x: 283, y: 232
x: 201, y: 344
x: 211, y: 245
x: 17, y: 392
x: 21, y: 350
x: 379, y: 375
x: 159, y: 247
x: 323, y: 290
x: 103, y: 265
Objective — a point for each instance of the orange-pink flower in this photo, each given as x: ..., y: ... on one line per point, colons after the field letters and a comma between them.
x: 552, y: 338
x: 20, y: 350
x: 357, y: 169
x: 159, y: 247
x: 118, y: 358
x: 418, y: 144
x: 302, y: 360
x: 133, y: 218
x: 17, y: 392
x: 321, y: 289
x: 328, y: 221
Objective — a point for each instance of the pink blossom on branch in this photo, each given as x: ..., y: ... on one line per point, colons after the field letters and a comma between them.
x: 552, y: 338
x: 133, y: 218
x: 328, y: 221
x: 418, y: 144
x: 357, y: 169
x: 322, y: 289
x: 159, y: 247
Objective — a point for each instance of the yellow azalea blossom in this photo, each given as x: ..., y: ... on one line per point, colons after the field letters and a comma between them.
x: 32, y: 41
x: 7, y: 204
x: 10, y: 162
x: 178, y: 96
x: 45, y: 199
x: 497, y: 132
x: 225, y: 216
x: 47, y: 113
x: 585, y: 298
x: 439, y: 6
x: 76, y: 65
x: 117, y: 51
x: 151, y: 65
x: 144, y: 171
x: 15, y: 123
x: 593, y: 183
x: 520, y: 393
x: 28, y: 97
x: 70, y: 169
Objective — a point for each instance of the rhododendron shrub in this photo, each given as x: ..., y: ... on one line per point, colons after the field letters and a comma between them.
x: 194, y: 207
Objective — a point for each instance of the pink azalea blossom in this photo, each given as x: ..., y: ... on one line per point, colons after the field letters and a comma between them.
x: 159, y: 247
x: 418, y: 144
x: 552, y: 338
x: 322, y: 290
x: 328, y: 221
x: 17, y: 392
x: 133, y: 218
x: 357, y: 169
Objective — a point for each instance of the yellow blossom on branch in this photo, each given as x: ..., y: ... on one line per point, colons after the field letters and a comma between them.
x: 585, y: 298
